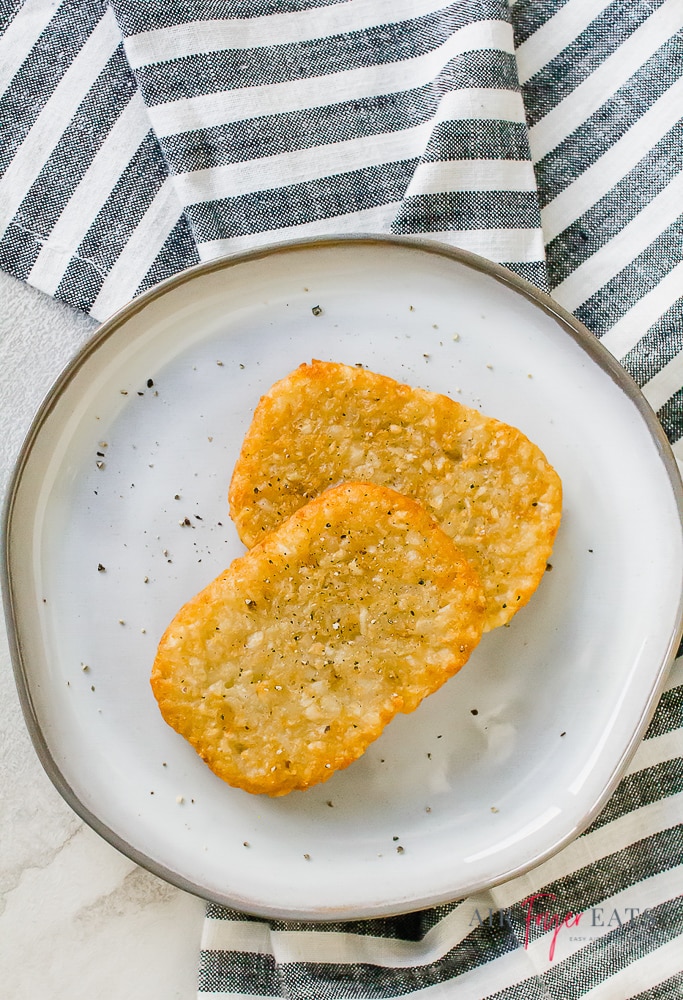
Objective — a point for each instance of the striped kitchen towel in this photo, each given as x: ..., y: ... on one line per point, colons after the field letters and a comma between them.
x: 138, y: 139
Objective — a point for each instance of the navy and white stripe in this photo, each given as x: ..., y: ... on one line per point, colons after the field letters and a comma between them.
x: 282, y: 120
x: 603, y: 89
x: 140, y: 138
x: 86, y: 204
x: 365, y: 158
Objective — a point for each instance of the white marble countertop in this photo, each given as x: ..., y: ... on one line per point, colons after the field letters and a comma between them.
x: 77, y: 919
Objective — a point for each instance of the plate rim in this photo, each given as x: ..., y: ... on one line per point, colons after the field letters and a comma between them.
x: 587, y: 341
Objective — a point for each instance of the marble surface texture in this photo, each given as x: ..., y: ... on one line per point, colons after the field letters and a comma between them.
x: 77, y: 919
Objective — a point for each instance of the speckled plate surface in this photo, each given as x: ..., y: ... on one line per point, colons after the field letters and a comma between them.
x: 117, y: 514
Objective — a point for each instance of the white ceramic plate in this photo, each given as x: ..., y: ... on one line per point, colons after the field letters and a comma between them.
x: 499, y: 769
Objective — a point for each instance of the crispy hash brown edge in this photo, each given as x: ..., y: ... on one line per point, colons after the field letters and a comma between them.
x: 507, y: 594
x: 458, y: 587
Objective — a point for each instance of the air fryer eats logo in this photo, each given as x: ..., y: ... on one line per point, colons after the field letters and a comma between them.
x: 541, y: 915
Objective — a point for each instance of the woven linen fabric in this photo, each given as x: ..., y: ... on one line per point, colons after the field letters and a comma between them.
x: 138, y: 139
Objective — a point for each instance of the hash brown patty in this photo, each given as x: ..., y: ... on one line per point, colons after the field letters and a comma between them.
x: 490, y: 488
x: 291, y: 662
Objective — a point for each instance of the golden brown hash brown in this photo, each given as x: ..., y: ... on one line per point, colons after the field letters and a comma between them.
x: 490, y: 488
x: 289, y: 664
